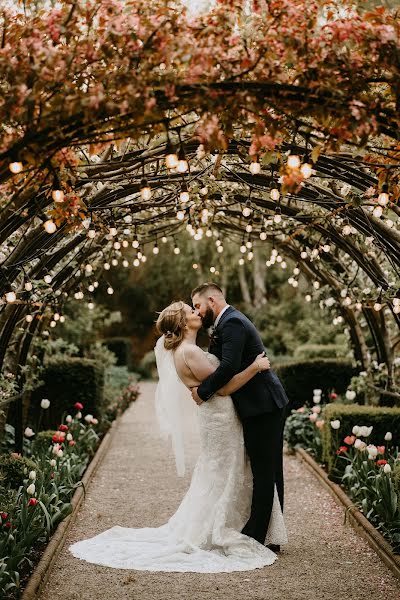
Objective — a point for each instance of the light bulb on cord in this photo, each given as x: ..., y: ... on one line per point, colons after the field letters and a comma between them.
x: 184, y: 193
x: 156, y: 249
x: 28, y: 286
x: 176, y: 250
x: 180, y: 215
x: 182, y: 165
x: 306, y: 170
x: 255, y: 167
x: 293, y: 161
x: 29, y: 318
x: 171, y: 158
x: 145, y: 190
x: 11, y: 296
x: 57, y: 195
x: 135, y: 243
x: 49, y: 226
x: 378, y: 211
x: 15, y: 167
x: 275, y: 194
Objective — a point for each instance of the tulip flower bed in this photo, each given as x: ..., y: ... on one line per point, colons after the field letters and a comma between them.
x: 368, y: 472
x: 36, y: 489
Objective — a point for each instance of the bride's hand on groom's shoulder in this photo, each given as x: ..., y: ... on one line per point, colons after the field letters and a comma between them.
x: 195, y: 396
x: 262, y: 362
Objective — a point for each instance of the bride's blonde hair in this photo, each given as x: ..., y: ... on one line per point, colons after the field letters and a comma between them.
x: 171, y: 323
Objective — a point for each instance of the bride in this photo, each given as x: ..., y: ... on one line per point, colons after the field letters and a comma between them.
x: 203, y: 535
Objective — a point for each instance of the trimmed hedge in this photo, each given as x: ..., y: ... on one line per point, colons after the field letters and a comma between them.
x: 310, y: 351
x: 300, y: 378
x: 122, y: 348
x: 68, y: 381
x: 14, y: 469
x: 382, y: 419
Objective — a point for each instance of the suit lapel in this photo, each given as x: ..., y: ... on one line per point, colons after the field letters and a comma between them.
x: 226, y: 313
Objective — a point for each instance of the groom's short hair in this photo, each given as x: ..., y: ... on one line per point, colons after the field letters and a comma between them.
x: 206, y: 288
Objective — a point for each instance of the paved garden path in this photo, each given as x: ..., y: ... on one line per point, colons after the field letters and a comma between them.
x: 136, y: 486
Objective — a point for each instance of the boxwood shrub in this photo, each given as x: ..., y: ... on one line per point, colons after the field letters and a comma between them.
x: 67, y: 381
x: 300, y: 378
x: 383, y: 419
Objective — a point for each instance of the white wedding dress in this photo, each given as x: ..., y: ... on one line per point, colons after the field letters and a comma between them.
x: 203, y: 535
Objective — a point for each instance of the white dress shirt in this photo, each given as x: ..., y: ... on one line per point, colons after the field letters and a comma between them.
x: 220, y: 315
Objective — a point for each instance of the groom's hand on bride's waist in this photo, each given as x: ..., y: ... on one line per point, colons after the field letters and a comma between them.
x: 195, y: 396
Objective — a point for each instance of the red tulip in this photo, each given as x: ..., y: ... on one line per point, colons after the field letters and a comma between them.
x: 381, y: 462
x: 341, y: 450
x: 33, y: 501
x: 78, y: 406
x: 7, y: 525
x: 333, y: 395
x: 349, y: 440
x: 58, y: 438
x: 4, y: 515
x: 63, y: 428
x: 72, y: 442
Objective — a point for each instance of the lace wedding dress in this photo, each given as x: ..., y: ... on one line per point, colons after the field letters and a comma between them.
x: 203, y: 535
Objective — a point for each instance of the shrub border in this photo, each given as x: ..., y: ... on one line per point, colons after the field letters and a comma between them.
x: 41, y: 573
x: 353, y: 515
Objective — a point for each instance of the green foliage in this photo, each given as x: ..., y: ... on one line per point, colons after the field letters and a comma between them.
x: 69, y: 381
x: 42, y: 440
x: 14, y: 469
x: 147, y: 367
x: 300, y: 378
x: 307, y: 351
x: 301, y: 432
x: 381, y: 418
x: 122, y: 348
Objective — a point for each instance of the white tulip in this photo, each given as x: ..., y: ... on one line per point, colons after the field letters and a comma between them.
x: 78, y: 415
x: 45, y: 403
x: 356, y: 430
x: 53, y: 462
x: 32, y: 475
x: 56, y: 448
x: 388, y: 436
x: 317, y: 392
x: 69, y: 436
x: 95, y: 421
x: 365, y: 431
x: 359, y: 444
x: 387, y: 468
x: 29, y: 432
x: 68, y: 418
x: 31, y: 489
x: 317, y: 399
x: 350, y: 395
x: 60, y: 453
x: 88, y: 418
x: 335, y: 424
x: 372, y: 451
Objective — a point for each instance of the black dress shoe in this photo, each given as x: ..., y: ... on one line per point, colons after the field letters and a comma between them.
x: 274, y: 547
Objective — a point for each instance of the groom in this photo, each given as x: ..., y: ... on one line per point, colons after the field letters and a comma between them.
x: 259, y: 403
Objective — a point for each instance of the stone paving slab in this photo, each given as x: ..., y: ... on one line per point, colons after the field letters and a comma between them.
x: 136, y: 486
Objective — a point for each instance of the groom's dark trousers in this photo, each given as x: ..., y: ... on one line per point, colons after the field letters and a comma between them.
x: 260, y: 405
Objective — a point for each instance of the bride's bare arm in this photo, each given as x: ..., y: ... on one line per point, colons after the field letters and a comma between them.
x: 202, y: 368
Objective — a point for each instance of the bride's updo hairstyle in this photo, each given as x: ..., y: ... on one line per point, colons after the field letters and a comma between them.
x: 171, y: 323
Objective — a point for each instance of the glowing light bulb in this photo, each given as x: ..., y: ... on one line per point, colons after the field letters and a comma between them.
x: 263, y: 236
x: 220, y: 249
x: 250, y: 255
x: 11, y: 296
x: 249, y: 228
x: 57, y: 195
x: 293, y: 161
x: 208, y: 233
x: 62, y: 319
x: 47, y: 278
x: 277, y: 218
x: 246, y: 212
x: 255, y: 168
x: 306, y: 170
x: 49, y: 226
x: 326, y: 248
x: 163, y: 239
x: 377, y: 306
x: 156, y: 249
x: 90, y: 305
x: 117, y: 245
x: 135, y: 243
x: 308, y: 298
x: 296, y: 271
x: 180, y: 215
x: 110, y: 291
x: 346, y: 229
x: 303, y: 254
x: 91, y: 233
x: 212, y: 269
x: 274, y: 194
x: 171, y: 158
x: 295, y: 283
x: 383, y: 198
x: 15, y: 167
x: 114, y: 262
x: 145, y: 190
x: 88, y: 268
x: 107, y: 266
x: 241, y: 261
x: 125, y: 263
x: 136, y: 262
x: 184, y: 193
x: 242, y: 248
x: 28, y: 286
x: 195, y: 266
x: 29, y: 318
x: 113, y: 231
x: 177, y: 250
x: 377, y: 212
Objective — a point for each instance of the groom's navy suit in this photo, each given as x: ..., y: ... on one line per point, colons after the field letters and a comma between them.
x: 260, y: 405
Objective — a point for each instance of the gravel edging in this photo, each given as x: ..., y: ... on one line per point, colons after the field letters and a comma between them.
x: 42, y: 570
x: 353, y: 515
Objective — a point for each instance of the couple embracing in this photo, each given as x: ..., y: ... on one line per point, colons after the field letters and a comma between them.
x: 231, y: 517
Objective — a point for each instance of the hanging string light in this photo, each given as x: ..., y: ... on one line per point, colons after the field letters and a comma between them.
x: 171, y: 158
x: 255, y: 166
x: 182, y: 165
x: 184, y: 193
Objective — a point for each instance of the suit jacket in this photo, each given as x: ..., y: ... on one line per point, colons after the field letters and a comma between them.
x: 236, y: 342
